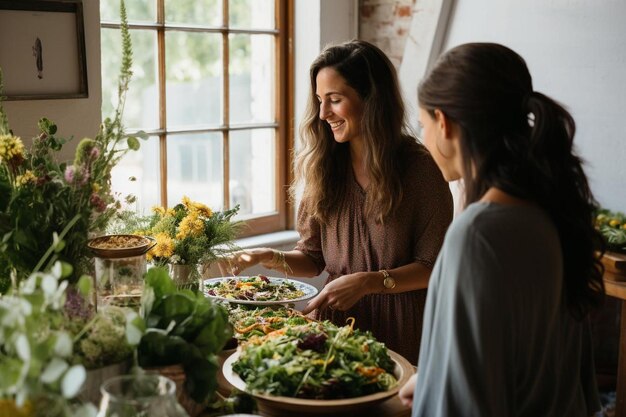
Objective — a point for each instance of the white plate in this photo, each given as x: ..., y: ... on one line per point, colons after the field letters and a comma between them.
x: 308, y: 290
x: 289, y: 405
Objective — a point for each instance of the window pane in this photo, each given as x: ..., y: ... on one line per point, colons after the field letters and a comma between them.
x: 198, y: 12
x: 251, y: 14
x: 143, y: 165
x: 252, y: 170
x: 142, y: 100
x: 251, y: 91
x: 195, y: 168
x: 136, y: 10
x: 194, y: 78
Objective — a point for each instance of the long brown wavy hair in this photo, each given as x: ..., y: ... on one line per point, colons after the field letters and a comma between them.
x: 322, y: 164
x: 520, y: 141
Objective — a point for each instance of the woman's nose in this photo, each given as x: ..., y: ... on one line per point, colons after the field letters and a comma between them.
x: 324, y: 110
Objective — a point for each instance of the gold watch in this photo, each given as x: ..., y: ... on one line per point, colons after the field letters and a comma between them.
x: 388, y: 282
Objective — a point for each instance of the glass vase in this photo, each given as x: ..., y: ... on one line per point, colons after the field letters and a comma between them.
x: 144, y: 395
x: 185, y: 276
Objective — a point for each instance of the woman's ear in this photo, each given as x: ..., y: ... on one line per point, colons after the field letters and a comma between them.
x: 444, y: 125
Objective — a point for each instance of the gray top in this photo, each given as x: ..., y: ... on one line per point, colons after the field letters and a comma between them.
x: 497, y: 337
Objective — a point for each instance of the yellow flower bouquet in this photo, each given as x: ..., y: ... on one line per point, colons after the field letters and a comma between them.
x: 190, y: 233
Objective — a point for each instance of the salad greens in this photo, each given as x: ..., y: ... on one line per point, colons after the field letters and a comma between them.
x: 317, y: 360
x: 182, y: 327
x: 249, y: 322
x: 256, y: 288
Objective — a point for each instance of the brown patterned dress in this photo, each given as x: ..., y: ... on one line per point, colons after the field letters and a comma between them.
x: 353, y: 242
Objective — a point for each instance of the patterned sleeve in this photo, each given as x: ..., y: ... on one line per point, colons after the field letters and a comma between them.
x: 436, y: 207
x: 310, y: 242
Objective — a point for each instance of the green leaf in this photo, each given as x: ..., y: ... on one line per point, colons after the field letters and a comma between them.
x: 84, y: 285
x: 63, y: 345
x: 73, y: 380
x: 133, y: 143
x: 66, y: 269
x: 53, y: 371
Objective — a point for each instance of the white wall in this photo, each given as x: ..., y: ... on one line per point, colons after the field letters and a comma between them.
x: 74, y: 117
x: 318, y: 23
x: 576, y: 52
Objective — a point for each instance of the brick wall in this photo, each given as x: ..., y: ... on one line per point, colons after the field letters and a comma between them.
x: 386, y: 24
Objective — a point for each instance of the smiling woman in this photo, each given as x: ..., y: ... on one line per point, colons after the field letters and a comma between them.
x: 373, y: 200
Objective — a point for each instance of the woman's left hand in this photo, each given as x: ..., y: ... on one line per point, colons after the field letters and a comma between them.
x: 341, y: 293
x: 406, y: 391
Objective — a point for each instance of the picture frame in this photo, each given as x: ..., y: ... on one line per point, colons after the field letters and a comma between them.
x: 42, y: 49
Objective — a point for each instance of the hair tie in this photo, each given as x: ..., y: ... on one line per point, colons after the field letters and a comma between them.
x: 526, y: 107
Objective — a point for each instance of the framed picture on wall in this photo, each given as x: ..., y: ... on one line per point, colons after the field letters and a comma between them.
x: 42, y: 49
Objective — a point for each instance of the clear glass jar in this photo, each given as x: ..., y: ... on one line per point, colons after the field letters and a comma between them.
x: 119, y: 281
x: 144, y: 395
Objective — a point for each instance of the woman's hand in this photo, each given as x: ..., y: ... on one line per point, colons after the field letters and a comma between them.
x: 238, y: 261
x: 341, y: 293
x: 406, y: 392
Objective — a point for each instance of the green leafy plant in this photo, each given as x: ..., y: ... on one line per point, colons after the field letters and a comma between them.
x: 182, y: 327
x: 41, y: 196
x: 612, y: 226
x: 35, y: 350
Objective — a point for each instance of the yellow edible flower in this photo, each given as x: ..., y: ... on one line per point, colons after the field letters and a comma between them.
x: 164, y: 247
x: 614, y: 223
x: 191, y: 225
x: 159, y: 210
x: 25, y: 178
x: 11, y: 147
x: 186, y: 202
x: 202, y: 209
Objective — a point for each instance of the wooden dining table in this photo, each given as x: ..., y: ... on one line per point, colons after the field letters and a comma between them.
x: 615, y: 285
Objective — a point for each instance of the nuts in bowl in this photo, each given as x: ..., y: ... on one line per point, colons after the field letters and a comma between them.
x: 120, y: 246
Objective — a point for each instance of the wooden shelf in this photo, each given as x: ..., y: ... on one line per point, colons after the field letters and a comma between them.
x: 615, y: 263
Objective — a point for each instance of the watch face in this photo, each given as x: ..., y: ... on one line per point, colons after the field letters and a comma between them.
x: 389, y: 282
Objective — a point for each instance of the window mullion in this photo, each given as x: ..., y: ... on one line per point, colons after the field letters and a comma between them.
x: 226, y: 101
x: 162, y: 99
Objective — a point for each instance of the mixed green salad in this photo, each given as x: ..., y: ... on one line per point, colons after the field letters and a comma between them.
x: 317, y: 360
x: 256, y: 321
x: 255, y: 288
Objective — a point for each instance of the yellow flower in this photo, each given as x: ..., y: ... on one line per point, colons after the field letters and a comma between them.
x: 614, y: 223
x: 624, y: 226
x: 191, y: 225
x: 202, y: 209
x: 164, y: 247
x: 27, y: 177
x: 11, y: 147
x: 159, y: 210
x: 96, y: 187
x: 8, y: 407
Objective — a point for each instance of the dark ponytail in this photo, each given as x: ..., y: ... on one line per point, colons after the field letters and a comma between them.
x: 521, y: 141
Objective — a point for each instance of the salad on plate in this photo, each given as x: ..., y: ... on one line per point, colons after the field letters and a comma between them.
x: 258, y: 289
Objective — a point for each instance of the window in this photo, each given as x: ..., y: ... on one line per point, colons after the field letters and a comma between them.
x: 210, y: 88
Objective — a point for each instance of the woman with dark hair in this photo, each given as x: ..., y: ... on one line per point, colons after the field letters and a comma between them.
x: 505, y: 326
x: 374, y: 208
